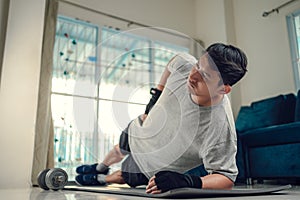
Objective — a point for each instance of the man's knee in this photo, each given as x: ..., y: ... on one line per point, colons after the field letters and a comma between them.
x: 134, y: 179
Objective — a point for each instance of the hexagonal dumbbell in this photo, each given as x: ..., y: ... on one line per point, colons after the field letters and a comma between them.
x: 53, y: 179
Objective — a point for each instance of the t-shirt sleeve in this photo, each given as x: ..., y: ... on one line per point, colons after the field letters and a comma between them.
x: 180, y: 62
x: 220, y: 159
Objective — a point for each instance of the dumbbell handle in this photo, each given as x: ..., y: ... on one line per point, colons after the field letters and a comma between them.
x: 60, y: 178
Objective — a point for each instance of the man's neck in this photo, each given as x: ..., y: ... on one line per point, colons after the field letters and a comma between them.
x: 204, y: 101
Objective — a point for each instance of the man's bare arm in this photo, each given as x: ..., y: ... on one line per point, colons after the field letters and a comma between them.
x: 163, y: 79
x: 216, y: 181
x: 161, y: 85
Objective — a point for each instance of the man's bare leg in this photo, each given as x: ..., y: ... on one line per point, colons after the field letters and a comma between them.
x: 115, y: 177
x: 113, y: 156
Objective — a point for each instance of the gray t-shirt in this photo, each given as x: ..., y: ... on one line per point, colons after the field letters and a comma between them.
x: 179, y: 135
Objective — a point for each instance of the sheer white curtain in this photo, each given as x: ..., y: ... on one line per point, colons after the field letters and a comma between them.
x: 4, y: 6
x: 44, y: 134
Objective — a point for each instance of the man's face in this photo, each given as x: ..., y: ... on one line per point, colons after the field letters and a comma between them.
x: 204, y: 78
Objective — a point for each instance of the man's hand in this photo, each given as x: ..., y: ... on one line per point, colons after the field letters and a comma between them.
x: 143, y: 117
x: 152, y: 187
x: 166, y: 180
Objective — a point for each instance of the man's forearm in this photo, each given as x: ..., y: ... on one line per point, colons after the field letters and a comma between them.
x: 163, y: 79
x: 216, y: 181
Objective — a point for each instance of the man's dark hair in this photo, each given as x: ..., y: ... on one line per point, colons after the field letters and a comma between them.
x: 230, y: 61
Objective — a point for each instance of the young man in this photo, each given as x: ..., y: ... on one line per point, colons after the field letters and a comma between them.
x: 190, y: 124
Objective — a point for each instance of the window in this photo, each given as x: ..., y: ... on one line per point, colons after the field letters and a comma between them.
x: 293, y: 22
x: 101, y: 81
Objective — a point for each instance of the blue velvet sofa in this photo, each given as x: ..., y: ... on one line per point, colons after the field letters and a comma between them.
x: 269, y: 139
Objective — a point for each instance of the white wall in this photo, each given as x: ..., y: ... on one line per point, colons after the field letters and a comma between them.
x: 173, y: 14
x: 265, y: 41
x: 161, y: 18
x: 210, y: 21
x: 19, y: 91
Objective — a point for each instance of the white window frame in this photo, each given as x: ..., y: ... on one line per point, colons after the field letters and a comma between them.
x: 294, y: 47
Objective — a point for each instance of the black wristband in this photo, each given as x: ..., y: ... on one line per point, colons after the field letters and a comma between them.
x: 195, y: 181
x: 155, y: 95
x: 168, y: 180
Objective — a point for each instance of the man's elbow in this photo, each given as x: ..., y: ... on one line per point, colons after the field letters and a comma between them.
x: 217, y: 181
x: 230, y: 185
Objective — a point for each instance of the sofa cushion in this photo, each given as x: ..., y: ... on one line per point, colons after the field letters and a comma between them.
x: 260, y: 114
x: 287, y: 109
x: 297, y: 109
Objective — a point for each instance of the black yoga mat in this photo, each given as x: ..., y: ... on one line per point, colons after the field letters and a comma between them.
x: 179, y: 193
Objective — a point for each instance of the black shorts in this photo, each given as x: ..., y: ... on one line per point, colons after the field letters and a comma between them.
x: 123, y: 142
x: 131, y: 173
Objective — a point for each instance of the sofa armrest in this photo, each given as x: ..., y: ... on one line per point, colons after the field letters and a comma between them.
x: 273, y: 149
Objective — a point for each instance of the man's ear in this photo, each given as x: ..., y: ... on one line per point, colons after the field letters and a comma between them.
x: 226, y: 89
